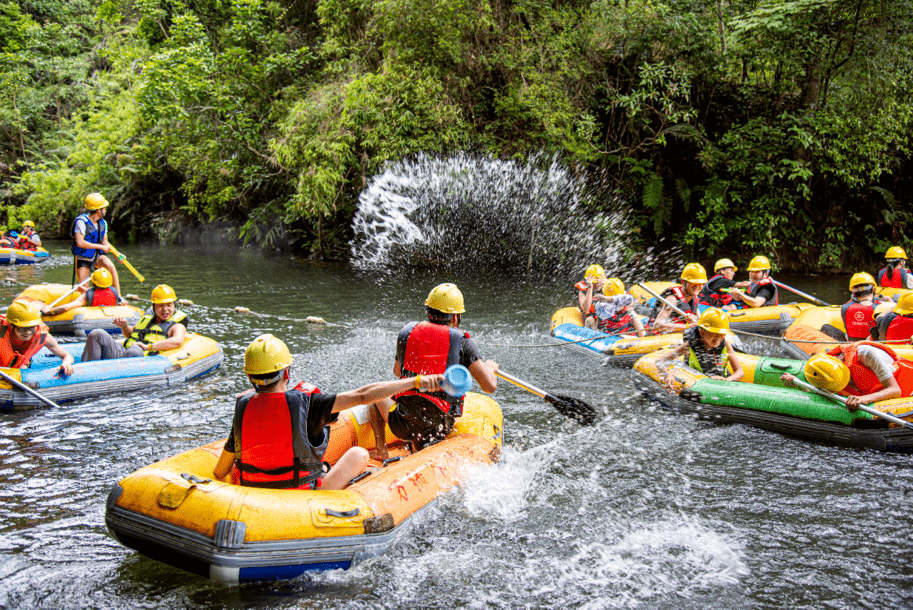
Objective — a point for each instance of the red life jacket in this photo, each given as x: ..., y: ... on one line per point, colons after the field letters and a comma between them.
x: 864, y: 379
x: 713, y: 298
x: 271, y: 443
x: 19, y: 358
x: 429, y: 350
x: 858, y: 319
x: 24, y: 243
x: 756, y: 286
x: 101, y: 297
x: 898, y: 278
x: 899, y: 328
x: 581, y: 287
x: 619, y: 323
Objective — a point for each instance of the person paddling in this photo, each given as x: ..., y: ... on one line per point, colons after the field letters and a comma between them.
x: 102, y: 294
x: 709, y: 350
x: 685, y: 296
x: 23, y: 334
x: 90, y: 240
x: 279, y: 435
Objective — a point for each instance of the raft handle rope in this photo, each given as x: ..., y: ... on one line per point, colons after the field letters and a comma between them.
x: 833, y: 341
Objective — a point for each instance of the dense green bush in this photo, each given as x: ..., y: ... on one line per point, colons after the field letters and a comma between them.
x: 779, y: 126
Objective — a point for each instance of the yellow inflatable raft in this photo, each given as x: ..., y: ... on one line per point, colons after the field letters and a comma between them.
x: 819, y: 329
x: 15, y: 256
x: 173, y: 511
x: 80, y: 321
x: 616, y: 350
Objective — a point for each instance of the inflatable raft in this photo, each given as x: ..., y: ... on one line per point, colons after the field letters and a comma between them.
x: 616, y: 350
x: 173, y: 511
x: 15, y: 256
x: 196, y: 357
x: 78, y: 322
x: 761, y: 400
x: 771, y: 320
x: 819, y: 329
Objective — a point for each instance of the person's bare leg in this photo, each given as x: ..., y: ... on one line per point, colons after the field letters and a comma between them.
x: 377, y: 415
x: 352, y: 463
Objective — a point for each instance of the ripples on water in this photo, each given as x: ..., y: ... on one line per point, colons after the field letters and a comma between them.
x: 646, y: 509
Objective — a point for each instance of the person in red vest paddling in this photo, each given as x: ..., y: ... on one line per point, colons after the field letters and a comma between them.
x: 102, y: 294
x: 428, y: 348
x: 279, y: 435
x: 23, y: 334
x: 864, y: 372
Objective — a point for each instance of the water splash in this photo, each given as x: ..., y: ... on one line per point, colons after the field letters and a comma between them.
x: 482, y: 214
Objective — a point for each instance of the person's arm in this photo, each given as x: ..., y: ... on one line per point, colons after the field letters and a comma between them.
x: 56, y: 311
x: 125, y: 328
x: 175, y: 339
x: 484, y: 373
x: 734, y: 365
x: 890, y: 390
x: 224, y: 465
x: 585, y: 299
x: 66, y: 367
x: 757, y: 301
x: 880, y: 363
x: 385, y: 389
x: 664, y: 363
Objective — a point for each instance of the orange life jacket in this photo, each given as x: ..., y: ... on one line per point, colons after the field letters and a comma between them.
x: 429, y: 350
x: 271, y: 441
x: 864, y: 379
x: 12, y: 357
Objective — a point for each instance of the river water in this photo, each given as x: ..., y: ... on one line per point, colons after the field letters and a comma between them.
x: 645, y: 509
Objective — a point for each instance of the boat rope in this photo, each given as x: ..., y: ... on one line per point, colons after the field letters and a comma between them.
x: 244, y: 311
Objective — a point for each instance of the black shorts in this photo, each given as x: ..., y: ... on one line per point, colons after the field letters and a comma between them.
x: 87, y: 264
x: 419, y: 421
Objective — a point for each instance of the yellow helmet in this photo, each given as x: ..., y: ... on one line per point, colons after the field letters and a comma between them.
x: 163, y: 293
x: 904, y: 305
x: 895, y: 252
x: 265, y: 355
x: 714, y: 320
x: 759, y: 263
x: 827, y: 373
x: 861, y: 279
x: 28, y: 223
x: 95, y: 201
x: 886, y: 307
x: 24, y: 314
x: 613, y: 286
x: 723, y: 263
x: 694, y: 273
x: 594, y: 272
x: 446, y: 298
x: 102, y: 278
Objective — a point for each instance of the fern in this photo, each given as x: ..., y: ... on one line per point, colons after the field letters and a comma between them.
x: 653, y: 200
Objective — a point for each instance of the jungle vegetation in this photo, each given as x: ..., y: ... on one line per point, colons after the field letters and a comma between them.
x: 736, y: 126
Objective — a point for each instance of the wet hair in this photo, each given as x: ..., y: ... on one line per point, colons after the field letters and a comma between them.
x: 436, y: 316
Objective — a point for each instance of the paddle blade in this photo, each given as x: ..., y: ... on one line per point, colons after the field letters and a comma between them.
x: 572, y: 408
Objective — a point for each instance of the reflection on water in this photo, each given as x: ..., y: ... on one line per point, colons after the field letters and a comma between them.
x: 644, y: 509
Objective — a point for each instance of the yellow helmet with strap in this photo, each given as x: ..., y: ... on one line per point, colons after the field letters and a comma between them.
x: 95, y: 201
x: 102, y: 278
x: 28, y: 223
x: 895, y: 252
x: 759, y: 263
x: 594, y: 272
x: 266, y: 355
x: 714, y: 320
x: 446, y: 298
x: 163, y: 293
x: 826, y: 373
x: 613, y: 287
x: 861, y: 279
x: 24, y: 314
x: 723, y: 263
x: 904, y: 305
x: 694, y: 273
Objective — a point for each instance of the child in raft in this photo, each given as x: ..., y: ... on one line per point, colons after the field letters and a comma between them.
x: 709, y: 350
x: 615, y: 310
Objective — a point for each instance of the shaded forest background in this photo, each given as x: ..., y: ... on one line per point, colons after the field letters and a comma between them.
x: 734, y: 127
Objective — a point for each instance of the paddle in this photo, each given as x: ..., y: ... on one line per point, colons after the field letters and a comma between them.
x: 123, y: 259
x: 891, y: 418
x: 25, y: 388
x: 575, y: 409
x: 65, y: 295
x: 674, y: 308
x: 801, y: 294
